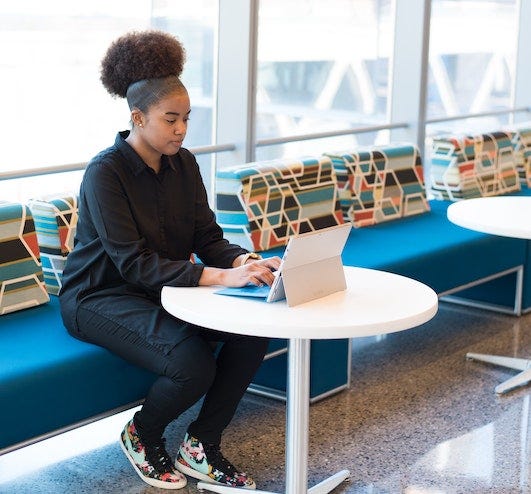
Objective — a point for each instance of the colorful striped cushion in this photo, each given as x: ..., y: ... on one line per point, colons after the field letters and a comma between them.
x: 260, y: 205
x: 21, y: 277
x: 521, y: 140
x: 380, y: 183
x: 463, y: 167
x: 55, y: 221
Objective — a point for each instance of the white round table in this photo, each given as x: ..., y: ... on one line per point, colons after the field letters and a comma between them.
x: 508, y: 216
x: 374, y: 303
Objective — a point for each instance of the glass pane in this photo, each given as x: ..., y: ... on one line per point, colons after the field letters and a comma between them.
x: 322, y: 145
x: 194, y: 22
x: 472, y: 60
x: 56, y: 110
x: 321, y: 66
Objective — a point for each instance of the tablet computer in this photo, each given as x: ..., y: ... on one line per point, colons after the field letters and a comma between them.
x: 311, y: 268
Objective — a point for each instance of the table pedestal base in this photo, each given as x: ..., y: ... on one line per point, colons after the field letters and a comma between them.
x: 323, y: 487
x: 297, y: 425
x: 521, y: 364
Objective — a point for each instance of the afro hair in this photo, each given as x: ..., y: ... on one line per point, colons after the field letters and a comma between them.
x: 138, y: 56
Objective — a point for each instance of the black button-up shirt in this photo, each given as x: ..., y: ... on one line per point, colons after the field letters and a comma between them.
x: 137, y: 229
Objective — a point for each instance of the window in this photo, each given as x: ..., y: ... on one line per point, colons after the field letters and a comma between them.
x: 56, y: 111
x: 322, y: 66
x: 472, y: 62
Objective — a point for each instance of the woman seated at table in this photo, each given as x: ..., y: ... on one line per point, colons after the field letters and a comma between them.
x: 143, y: 213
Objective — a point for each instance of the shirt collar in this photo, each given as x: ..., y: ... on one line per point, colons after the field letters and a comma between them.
x: 132, y: 158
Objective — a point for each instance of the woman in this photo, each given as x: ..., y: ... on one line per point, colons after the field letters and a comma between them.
x: 143, y: 213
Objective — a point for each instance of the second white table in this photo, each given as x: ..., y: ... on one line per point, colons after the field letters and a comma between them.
x: 509, y: 216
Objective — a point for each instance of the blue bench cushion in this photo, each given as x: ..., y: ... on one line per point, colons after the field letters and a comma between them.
x: 50, y: 380
x: 21, y: 277
x: 55, y: 219
x: 381, y: 183
x: 463, y: 167
x: 260, y: 205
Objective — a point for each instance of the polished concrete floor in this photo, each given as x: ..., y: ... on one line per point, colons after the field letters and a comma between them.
x: 418, y: 419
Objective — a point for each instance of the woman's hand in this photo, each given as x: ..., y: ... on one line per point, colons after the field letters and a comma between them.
x: 259, y: 272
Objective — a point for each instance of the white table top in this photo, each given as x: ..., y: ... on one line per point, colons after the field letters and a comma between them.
x: 509, y: 216
x: 375, y: 302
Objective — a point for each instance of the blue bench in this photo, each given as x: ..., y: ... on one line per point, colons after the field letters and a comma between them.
x: 461, y: 265
x: 50, y: 382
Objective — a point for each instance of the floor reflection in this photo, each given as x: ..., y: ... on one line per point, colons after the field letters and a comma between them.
x: 491, y: 458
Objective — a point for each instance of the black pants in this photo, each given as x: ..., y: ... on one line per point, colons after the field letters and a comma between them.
x: 187, y: 371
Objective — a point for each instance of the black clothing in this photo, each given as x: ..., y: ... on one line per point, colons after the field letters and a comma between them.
x: 136, y: 232
x: 187, y: 372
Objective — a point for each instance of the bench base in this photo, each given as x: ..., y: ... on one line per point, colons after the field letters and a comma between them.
x: 516, y: 309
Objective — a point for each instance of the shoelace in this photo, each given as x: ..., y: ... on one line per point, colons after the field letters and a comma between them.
x: 217, y: 460
x: 158, y: 457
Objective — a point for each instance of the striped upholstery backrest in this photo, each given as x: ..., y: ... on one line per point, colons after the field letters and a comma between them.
x: 521, y: 140
x: 260, y: 205
x: 55, y: 221
x: 21, y: 277
x: 380, y: 183
x: 463, y: 167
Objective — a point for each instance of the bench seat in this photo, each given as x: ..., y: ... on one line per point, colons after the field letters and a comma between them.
x: 49, y: 380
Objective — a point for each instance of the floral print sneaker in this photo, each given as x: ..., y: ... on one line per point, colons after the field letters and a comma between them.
x: 205, y: 462
x: 152, y: 462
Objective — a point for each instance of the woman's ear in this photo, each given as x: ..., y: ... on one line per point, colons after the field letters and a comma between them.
x: 137, y: 117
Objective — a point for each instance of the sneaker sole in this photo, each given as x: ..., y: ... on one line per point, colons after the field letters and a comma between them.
x: 153, y: 482
x: 205, y: 478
